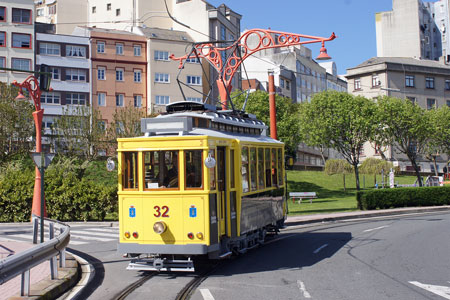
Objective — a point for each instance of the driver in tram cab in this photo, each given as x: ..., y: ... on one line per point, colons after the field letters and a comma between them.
x: 171, y: 180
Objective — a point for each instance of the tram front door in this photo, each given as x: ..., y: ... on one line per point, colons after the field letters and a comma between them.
x: 221, y: 189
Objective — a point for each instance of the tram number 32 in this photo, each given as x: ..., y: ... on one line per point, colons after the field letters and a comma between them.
x: 161, y: 211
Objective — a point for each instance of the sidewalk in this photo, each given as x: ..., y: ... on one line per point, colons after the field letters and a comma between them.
x: 41, y: 286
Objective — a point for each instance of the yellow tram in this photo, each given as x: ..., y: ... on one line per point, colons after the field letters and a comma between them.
x: 199, y: 182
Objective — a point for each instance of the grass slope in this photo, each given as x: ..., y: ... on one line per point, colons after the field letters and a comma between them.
x: 330, y: 191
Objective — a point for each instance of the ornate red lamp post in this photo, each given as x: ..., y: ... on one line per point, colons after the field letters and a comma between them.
x: 31, y: 84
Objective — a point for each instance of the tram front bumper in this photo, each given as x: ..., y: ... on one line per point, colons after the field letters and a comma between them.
x: 191, y: 249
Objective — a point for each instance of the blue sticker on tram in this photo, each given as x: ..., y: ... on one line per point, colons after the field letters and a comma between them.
x: 132, y: 212
x: 192, y: 211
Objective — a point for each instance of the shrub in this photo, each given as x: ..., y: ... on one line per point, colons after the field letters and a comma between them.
x: 403, y: 197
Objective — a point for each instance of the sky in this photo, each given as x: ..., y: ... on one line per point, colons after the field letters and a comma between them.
x: 353, y: 21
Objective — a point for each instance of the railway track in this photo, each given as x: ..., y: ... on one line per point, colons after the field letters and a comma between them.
x: 129, y: 289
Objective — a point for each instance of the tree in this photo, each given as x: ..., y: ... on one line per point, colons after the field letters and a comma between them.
x: 288, y: 126
x: 79, y: 131
x: 404, y: 126
x: 338, y: 166
x: 126, y: 123
x: 440, y: 133
x: 340, y: 121
x: 16, y: 126
x: 375, y: 166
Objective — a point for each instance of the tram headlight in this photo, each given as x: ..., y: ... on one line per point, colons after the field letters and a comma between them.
x: 159, y: 227
x: 127, y: 234
x: 200, y: 235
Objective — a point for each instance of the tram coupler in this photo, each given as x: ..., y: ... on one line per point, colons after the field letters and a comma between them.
x: 161, y: 264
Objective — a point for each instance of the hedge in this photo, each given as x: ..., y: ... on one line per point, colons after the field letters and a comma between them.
x: 69, y: 195
x: 403, y: 197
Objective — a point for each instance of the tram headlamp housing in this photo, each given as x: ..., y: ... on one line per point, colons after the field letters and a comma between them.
x: 159, y: 227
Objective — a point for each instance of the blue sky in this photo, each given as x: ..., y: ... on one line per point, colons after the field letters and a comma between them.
x: 353, y: 21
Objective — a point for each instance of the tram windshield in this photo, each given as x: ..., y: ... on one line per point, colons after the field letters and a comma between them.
x: 161, y: 169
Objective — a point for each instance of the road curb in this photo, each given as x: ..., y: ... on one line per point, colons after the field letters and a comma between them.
x: 302, y: 220
x: 51, y: 289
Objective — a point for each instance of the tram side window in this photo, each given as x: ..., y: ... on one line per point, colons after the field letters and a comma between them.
x: 252, y: 164
x: 193, y: 169
x: 244, y: 171
x: 268, y: 167
x: 260, y: 168
x: 274, y: 167
x: 232, y: 169
x: 212, y: 171
x: 161, y: 169
x: 129, y: 171
x: 280, y: 168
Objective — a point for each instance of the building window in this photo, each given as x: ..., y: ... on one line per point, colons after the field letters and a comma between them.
x: 448, y: 103
x: 375, y: 80
x: 429, y: 82
x: 2, y: 62
x: 21, y: 40
x: 161, y: 55
x: 75, y: 99
x: 2, y: 14
x: 431, y: 103
x: 137, y: 101
x: 288, y: 85
x: 40, y: 12
x: 94, y: 9
x: 117, y: 12
x: 101, y: 99
x: 100, y: 47
x: 21, y: 64
x: 101, y: 73
x: 194, y: 80
x: 50, y: 98
x: 108, y: 6
x: 2, y: 39
x: 49, y: 49
x: 194, y: 99
x: 162, y: 100
x: 193, y: 60
x: 137, y: 75
x: 119, y: 100
x: 75, y: 51
x: 412, y: 99
x: 119, y: 48
x: 137, y: 50
x: 20, y: 15
x: 161, y: 77
x: 48, y: 122
x: 75, y: 75
x: 357, y: 83
x: 409, y: 80
x: 119, y: 74
x: 56, y: 73
x: 447, y: 84
x: 282, y: 83
x: 52, y: 10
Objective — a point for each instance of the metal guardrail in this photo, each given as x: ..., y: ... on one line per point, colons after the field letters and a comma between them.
x: 22, y: 262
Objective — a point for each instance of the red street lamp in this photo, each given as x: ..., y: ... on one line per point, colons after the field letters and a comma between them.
x: 31, y: 84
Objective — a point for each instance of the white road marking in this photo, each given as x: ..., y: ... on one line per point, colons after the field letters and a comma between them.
x: 443, y: 291
x: 109, y: 229
x: 76, y: 233
x: 320, y: 248
x: 90, y: 238
x: 381, y: 227
x: 302, y: 288
x: 206, y: 294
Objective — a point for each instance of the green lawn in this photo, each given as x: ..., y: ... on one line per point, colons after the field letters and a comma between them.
x: 331, y: 196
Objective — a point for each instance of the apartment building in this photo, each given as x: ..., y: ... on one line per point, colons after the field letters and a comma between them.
x: 414, y: 29
x: 65, y: 14
x: 424, y: 82
x: 163, y: 87
x: 17, y: 40
x: 69, y: 61
x: 119, y: 70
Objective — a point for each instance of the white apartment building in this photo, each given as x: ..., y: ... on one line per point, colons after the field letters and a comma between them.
x: 68, y: 58
x: 16, y: 39
x: 65, y: 14
x: 414, y: 29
